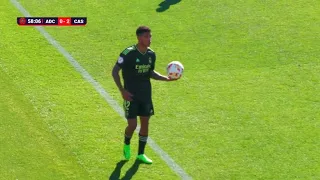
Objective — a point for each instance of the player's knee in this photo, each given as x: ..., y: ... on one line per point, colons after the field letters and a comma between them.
x: 143, y: 131
x: 132, y: 125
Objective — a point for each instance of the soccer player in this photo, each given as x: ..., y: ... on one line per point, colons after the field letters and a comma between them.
x: 137, y: 63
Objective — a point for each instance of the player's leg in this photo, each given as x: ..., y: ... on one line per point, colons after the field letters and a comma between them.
x: 130, y: 109
x: 146, y: 110
x: 143, y: 137
x: 132, y: 125
x: 143, y: 133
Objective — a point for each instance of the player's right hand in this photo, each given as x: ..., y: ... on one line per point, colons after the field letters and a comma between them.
x: 170, y: 79
x: 126, y: 95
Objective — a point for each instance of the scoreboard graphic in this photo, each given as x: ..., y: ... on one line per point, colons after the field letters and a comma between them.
x: 51, y: 21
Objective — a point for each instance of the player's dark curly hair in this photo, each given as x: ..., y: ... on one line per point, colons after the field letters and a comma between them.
x: 142, y: 29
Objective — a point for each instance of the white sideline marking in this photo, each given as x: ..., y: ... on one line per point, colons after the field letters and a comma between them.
x: 174, y: 166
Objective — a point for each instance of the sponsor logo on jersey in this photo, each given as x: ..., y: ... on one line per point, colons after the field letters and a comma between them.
x: 143, y: 68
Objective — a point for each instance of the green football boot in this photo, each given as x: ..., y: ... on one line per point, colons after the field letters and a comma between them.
x: 144, y: 159
x: 126, y: 151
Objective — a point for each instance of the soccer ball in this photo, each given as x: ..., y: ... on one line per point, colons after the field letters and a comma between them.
x: 175, y: 70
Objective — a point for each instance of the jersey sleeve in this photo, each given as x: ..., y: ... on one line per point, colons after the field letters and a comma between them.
x: 153, y: 62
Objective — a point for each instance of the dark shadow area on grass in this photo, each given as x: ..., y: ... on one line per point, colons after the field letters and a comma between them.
x: 165, y: 5
x: 132, y: 171
x: 117, y: 171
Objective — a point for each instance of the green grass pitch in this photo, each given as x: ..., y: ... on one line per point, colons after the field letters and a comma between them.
x: 247, y: 106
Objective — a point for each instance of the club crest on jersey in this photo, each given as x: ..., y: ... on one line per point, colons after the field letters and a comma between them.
x: 120, y: 60
x: 150, y: 60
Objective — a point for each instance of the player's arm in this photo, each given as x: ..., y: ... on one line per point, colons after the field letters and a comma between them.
x: 116, y: 77
x: 157, y: 76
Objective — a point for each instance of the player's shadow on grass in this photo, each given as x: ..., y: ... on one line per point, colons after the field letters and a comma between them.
x: 165, y: 5
x: 129, y: 174
x: 116, y: 172
x: 132, y: 171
